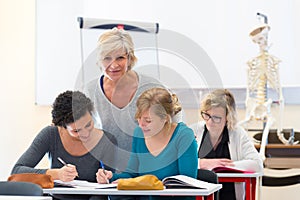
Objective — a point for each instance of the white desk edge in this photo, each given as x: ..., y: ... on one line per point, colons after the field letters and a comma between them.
x: 11, y: 197
x: 114, y: 191
x: 242, y: 175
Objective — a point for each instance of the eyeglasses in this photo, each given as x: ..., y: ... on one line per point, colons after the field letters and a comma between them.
x: 207, y: 116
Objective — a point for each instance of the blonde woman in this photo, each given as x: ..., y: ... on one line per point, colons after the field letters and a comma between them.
x: 116, y: 91
x: 222, y: 143
x: 160, y: 147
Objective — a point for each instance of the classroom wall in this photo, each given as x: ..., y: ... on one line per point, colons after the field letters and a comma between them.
x: 208, y: 35
x: 20, y: 118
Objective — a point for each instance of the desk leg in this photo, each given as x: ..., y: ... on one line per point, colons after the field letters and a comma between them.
x: 210, y: 197
x: 248, y: 189
x: 253, y: 188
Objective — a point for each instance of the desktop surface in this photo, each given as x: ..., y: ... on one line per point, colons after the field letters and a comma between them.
x: 10, y: 197
x: 114, y: 191
x: 243, y: 175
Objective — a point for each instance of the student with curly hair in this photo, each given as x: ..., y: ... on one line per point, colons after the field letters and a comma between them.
x: 73, y: 138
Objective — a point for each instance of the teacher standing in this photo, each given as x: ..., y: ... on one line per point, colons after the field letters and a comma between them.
x: 116, y: 91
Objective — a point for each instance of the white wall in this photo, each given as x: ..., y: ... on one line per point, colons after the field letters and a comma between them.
x: 220, y: 28
x: 21, y: 119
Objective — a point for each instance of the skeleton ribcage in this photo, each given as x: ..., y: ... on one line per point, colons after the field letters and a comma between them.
x: 262, y: 72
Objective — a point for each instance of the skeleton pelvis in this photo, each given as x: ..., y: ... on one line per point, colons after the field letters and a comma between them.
x: 260, y: 112
x: 257, y: 110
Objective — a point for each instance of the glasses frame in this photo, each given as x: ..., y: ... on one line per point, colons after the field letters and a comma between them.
x: 215, y: 119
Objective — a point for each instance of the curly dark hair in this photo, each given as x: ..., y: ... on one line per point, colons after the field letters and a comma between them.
x: 70, y: 106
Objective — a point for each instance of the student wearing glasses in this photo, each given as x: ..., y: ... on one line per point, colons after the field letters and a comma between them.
x: 221, y: 142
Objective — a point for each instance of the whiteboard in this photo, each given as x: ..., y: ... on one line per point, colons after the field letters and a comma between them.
x: 218, y: 31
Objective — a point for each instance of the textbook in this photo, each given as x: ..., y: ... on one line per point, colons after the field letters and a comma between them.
x: 231, y: 170
x: 182, y: 181
x: 83, y: 184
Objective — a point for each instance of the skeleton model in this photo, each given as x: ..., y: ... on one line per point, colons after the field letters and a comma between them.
x: 263, y: 74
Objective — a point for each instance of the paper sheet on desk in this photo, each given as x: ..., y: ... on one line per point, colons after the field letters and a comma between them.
x: 84, y: 184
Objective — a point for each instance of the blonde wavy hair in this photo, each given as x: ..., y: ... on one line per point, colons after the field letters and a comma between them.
x: 221, y: 98
x: 113, y: 40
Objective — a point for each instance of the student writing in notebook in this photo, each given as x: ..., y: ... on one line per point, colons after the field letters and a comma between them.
x: 117, y: 89
x: 73, y: 145
x: 160, y: 147
x: 222, y: 142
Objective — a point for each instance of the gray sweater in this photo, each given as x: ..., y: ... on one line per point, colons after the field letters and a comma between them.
x: 48, y: 142
x: 118, y: 121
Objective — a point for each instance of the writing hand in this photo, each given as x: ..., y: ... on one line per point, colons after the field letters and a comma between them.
x: 67, y: 173
x: 103, y: 176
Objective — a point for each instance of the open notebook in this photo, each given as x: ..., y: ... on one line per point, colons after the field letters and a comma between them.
x: 182, y: 181
x: 230, y: 170
x: 83, y: 184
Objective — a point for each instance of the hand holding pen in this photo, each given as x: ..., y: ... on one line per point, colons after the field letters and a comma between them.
x: 68, y: 172
x: 103, y: 175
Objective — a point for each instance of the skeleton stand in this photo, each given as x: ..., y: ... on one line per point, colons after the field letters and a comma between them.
x: 263, y: 73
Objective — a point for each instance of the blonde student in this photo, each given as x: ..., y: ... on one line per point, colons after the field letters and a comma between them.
x: 117, y: 89
x: 160, y: 147
x: 221, y: 142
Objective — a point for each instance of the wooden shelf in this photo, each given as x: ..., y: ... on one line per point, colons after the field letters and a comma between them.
x: 282, y: 163
x: 279, y: 146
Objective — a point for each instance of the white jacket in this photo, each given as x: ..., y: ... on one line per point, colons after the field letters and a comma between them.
x: 242, y: 152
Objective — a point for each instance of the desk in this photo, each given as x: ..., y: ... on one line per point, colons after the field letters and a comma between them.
x: 114, y: 191
x: 9, y: 197
x: 248, y: 178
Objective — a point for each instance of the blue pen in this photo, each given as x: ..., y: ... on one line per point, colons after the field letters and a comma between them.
x: 102, y: 166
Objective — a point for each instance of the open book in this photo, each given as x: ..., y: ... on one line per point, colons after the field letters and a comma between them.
x: 230, y: 170
x: 83, y: 184
x: 182, y: 181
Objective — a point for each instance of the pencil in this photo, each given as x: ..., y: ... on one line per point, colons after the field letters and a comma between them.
x: 64, y: 163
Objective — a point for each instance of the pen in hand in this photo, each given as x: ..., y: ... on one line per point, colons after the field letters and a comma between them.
x: 64, y: 163
x: 102, y: 166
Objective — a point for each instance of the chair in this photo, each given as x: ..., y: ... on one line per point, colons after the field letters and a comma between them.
x: 210, y: 177
x: 20, y: 189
